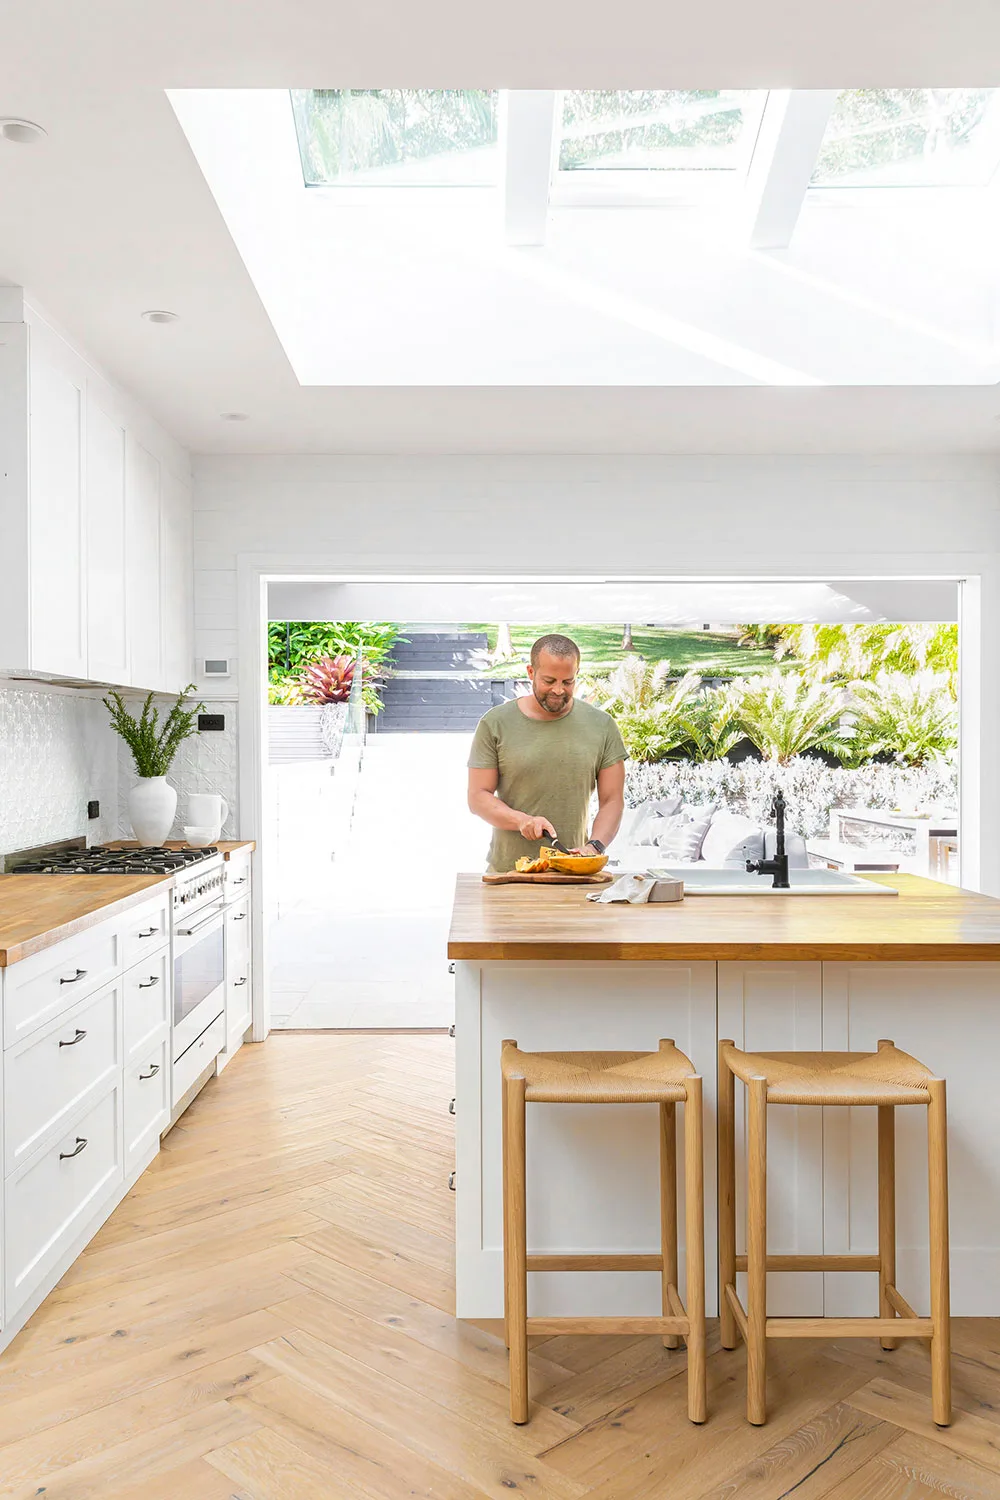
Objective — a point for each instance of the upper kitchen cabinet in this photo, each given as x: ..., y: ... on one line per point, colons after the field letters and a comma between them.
x: 95, y: 514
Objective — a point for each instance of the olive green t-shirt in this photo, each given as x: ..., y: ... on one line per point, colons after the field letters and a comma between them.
x: 547, y: 768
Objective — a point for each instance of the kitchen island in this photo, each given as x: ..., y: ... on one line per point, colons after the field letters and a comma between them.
x: 554, y: 971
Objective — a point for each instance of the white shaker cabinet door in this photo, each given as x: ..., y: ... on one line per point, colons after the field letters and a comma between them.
x: 142, y: 483
x: 107, y: 626
x: 779, y: 1008
x: 57, y: 487
x: 176, y: 572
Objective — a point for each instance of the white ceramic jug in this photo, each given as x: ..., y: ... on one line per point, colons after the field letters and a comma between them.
x: 207, y: 810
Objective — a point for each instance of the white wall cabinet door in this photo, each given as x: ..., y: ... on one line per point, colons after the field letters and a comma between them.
x: 779, y: 1007
x: 107, y: 626
x: 142, y: 483
x: 57, y: 394
x: 176, y: 581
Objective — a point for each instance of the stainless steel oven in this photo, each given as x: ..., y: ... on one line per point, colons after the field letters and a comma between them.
x: 199, y: 973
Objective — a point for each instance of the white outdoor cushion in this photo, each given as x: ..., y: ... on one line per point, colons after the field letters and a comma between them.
x: 731, y: 840
x: 682, y: 838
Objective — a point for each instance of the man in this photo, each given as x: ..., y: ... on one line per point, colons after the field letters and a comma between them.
x: 536, y: 760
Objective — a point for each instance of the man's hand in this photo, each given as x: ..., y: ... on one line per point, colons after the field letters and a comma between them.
x: 588, y: 850
x: 535, y: 828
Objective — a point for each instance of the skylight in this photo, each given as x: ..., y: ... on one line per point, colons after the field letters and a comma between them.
x: 659, y: 130
x: 911, y: 138
x: 397, y: 137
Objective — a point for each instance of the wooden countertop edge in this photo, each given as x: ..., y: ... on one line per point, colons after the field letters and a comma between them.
x: 52, y: 935
x: 937, y: 952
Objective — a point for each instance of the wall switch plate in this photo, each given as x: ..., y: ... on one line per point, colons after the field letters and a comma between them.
x: 211, y: 721
x: 93, y: 809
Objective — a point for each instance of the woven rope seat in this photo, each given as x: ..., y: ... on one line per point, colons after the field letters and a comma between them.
x: 888, y: 1076
x: 600, y: 1077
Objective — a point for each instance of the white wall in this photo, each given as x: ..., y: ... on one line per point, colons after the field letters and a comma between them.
x: 822, y: 516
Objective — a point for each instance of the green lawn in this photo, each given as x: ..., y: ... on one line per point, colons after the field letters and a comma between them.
x: 601, y: 648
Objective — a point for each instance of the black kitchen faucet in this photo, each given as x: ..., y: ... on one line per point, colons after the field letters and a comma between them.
x: 778, y: 866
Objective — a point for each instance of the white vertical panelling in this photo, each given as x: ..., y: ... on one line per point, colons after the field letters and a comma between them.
x: 144, y: 582
x: 176, y: 582
x: 779, y: 1007
x: 106, y: 618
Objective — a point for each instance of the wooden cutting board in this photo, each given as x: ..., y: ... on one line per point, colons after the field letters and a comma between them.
x: 546, y: 877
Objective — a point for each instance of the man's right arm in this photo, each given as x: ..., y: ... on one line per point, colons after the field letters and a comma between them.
x: 484, y: 802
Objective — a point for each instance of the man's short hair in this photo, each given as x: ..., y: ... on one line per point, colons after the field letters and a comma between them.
x: 555, y: 645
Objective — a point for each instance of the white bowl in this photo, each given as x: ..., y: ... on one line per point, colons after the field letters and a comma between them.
x: 200, y: 838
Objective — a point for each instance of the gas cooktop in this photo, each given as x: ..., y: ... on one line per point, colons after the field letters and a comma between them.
x: 102, y: 861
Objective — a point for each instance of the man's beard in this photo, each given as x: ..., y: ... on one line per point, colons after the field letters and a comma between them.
x: 550, y: 703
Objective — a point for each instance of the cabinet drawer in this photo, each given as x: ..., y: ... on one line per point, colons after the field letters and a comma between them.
x: 198, y: 1056
x: 146, y: 1001
x: 49, y: 1076
x: 144, y: 929
x: 50, y: 1199
x: 237, y: 876
x: 147, y: 1100
x: 237, y: 931
x: 239, y: 1002
x: 40, y: 988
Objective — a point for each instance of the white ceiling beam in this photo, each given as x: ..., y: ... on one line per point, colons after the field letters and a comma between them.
x: 528, y: 132
x: 791, y: 134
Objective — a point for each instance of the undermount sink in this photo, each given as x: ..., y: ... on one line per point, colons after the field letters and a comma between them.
x: 708, y: 882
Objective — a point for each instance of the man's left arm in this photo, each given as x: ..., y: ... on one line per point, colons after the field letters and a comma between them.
x: 611, y: 802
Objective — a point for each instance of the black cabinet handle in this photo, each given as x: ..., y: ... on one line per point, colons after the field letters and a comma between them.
x: 151, y: 1074
x: 78, y: 1038
x: 241, y: 917
x: 68, y: 1155
x: 151, y: 933
x: 78, y: 975
x: 153, y: 979
x: 242, y: 880
x: 451, y: 1181
x: 239, y: 981
x: 451, y: 1029
x: 451, y: 1107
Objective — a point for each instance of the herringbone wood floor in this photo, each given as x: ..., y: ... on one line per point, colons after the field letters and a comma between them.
x: 267, y: 1316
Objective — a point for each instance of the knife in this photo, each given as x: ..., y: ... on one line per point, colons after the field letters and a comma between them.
x: 559, y: 846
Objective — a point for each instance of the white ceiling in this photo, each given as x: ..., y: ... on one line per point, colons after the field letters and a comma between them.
x: 112, y: 214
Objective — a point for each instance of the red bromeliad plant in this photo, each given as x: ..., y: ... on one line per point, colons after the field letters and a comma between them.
x: 329, y: 679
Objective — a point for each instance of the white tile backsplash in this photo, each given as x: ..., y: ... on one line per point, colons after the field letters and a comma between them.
x: 56, y: 755
x: 207, y: 762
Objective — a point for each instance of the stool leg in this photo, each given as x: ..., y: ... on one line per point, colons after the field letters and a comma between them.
x: 886, y: 1213
x: 668, y: 1211
x: 727, y: 1198
x: 694, y: 1252
x: 506, y: 1211
x: 515, y: 1264
x: 757, y: 1252
x: 937, y: 1152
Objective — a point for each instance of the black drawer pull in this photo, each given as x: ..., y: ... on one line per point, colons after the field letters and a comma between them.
x: 451, y: 1107
x: 451, y: 1181
x: 151, y: 1074
x: 242, y: 880
x: 153, y: 979
x: 78, y: 975
x: 451, y: 1029
x: 81, y: 1141
x: 78, y: 1038
x: 151, y: 933
x: 241, y: 918
x: 239, y: 981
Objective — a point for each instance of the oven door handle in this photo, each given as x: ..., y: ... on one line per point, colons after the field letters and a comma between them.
x: 215, y: 915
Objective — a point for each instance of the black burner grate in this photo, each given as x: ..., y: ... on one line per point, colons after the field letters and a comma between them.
x: 101, y: 861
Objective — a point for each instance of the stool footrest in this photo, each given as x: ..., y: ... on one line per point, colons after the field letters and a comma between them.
x: 595, y: 1262
x: 554, y: 1327
x: 849, y: 1328
x: 816, y: 1263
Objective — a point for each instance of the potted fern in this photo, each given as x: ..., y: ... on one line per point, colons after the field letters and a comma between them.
x: 153, y: 803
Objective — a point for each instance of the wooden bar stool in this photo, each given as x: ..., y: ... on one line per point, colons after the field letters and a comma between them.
x: 885, y: 1078
x: 665, y: 1078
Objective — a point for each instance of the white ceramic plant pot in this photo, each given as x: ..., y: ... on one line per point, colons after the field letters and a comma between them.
x: 151, y: 808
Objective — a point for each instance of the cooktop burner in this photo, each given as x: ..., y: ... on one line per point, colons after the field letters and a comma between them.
x: 101, y: 861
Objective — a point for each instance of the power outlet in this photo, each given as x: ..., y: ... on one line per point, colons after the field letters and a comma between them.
x: 211, y: 721
x: 93, y: 809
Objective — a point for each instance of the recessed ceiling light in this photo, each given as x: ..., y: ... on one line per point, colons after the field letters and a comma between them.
x: 160, y: 315
x: 235, y: 416
x: 21, y: 132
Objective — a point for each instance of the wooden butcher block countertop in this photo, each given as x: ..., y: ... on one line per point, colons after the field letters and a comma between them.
x: 927, y: 922
x: 37, y: 911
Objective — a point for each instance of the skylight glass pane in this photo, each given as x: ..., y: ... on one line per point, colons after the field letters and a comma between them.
x: 397, y: 137
x: 911, y: 138
x: 659, y: 130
